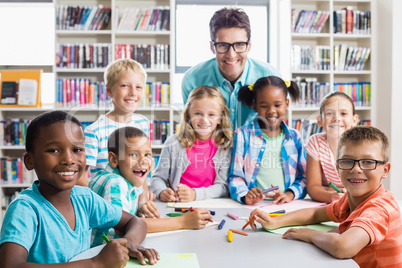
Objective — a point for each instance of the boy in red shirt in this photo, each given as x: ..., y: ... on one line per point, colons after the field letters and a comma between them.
x: 370, y: 229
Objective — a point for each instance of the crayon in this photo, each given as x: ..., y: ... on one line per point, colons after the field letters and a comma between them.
x: 333, y: 186
x: 279, y: 211
x: 105, y: 237
x: 221, y: 224
x: 270, y: 189
x: 171, y: 187
x: 230, y: 236
x: 233, y: 216
x: 174, y: 214
x: 275, y: 214
x: 181, y: 209
x: 250, y: 221
x: 238, y: 232
x: 212, y: 212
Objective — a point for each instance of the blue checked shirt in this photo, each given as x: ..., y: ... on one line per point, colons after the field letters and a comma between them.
x: 110, y: 185
x: 248, y: 148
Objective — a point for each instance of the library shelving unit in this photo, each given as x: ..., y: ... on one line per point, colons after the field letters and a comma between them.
x: 112, y: 36
x: 329, y: 39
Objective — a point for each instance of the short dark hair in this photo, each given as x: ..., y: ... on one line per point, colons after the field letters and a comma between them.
x: 359, y: 134
x: 116, y: 142
x: 248, y: 96
x: 44, y: 120
x: 229, y: 18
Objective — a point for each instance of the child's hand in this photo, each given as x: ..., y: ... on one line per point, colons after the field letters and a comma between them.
x: 336, y: 196
x: 303, y: 234
x: 150, y: 196
x: 149, y: 209
x: 280, y: 197
x: 197, y: 219
x: 185, y: 193
x: 253, y: 196
x: 167, y: 195
x: 262, y: 218
x: 114, y: 254
x: 139, y: 252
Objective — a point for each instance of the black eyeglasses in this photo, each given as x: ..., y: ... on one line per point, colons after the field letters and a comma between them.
x: 364, y: 164
x: 222, y: 47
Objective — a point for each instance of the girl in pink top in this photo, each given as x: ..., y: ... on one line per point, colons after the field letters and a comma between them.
x: 197, y: 159
x: 337, y: 114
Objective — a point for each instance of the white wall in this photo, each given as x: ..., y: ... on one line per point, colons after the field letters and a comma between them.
x: 396, y: 99
x: 388, y: 77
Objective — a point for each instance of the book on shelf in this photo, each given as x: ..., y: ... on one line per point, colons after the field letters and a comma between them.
x: 144, y: 19
x: 156, y: 94
x: 156, y: 56
x: 305, y: 57
x: 82, y: 92
x: 20, y: 88
x: 75, y: 17
x: 13, y: 131
x: 350, y: 58
x: 13, y: 171
x: 79, y: 55
x: 308, y: 21
x: 311, y: 91
x: 359, y: 92
x: 349, y: 21
x: 306, y: 127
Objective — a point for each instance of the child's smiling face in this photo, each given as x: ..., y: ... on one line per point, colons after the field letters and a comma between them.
x: 135, y: 162
x: 359, y: 183
x: 337, y: 116
x: 205, y: 115
x: 126, y: 93
x: 58, y: 156
x: 271, y: 105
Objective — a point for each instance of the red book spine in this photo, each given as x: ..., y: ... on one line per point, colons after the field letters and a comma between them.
x: 349, y: 20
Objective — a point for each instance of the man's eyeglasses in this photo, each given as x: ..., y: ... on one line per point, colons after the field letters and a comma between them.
x: 222, y: 47
x: 364, y: 164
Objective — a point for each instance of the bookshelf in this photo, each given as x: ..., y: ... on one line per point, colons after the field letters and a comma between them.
x: 325, y: 68
x: 112, y: 36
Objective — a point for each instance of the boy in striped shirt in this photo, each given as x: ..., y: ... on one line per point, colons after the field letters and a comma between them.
x: 370, y: 229
x: 125, y: 80
x: 130, y: 161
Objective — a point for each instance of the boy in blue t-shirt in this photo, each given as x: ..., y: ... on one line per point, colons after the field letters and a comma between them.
x: 51, y: 222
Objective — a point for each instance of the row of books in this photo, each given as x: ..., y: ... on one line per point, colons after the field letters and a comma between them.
x: 306, y: 127
x: 156, y: 94
x: 350, y: 58
x: 13, y: 131
x: 306, y: 57
x: 145, y: 19
x: 79, y: 55
x: 359, y: 92
x: 308, y: 21
x: 311, y: 91
x: 349, y: 21
x: 82, y: 17
x: 72, y: 92
x: 13, y: 171
x: 150, y: 56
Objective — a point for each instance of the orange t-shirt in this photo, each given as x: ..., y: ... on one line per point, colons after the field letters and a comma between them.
x: 380, y: 217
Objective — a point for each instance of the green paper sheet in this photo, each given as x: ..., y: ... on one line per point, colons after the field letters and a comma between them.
x: 171, y: 260
x: 325, y: 227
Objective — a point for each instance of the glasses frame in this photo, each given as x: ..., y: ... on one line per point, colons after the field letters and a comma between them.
x: 230, y: 45
x: 358, y: 161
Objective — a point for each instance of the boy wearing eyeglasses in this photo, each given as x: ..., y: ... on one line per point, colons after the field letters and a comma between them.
x: 370, y: 229
x: 231, y: 69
